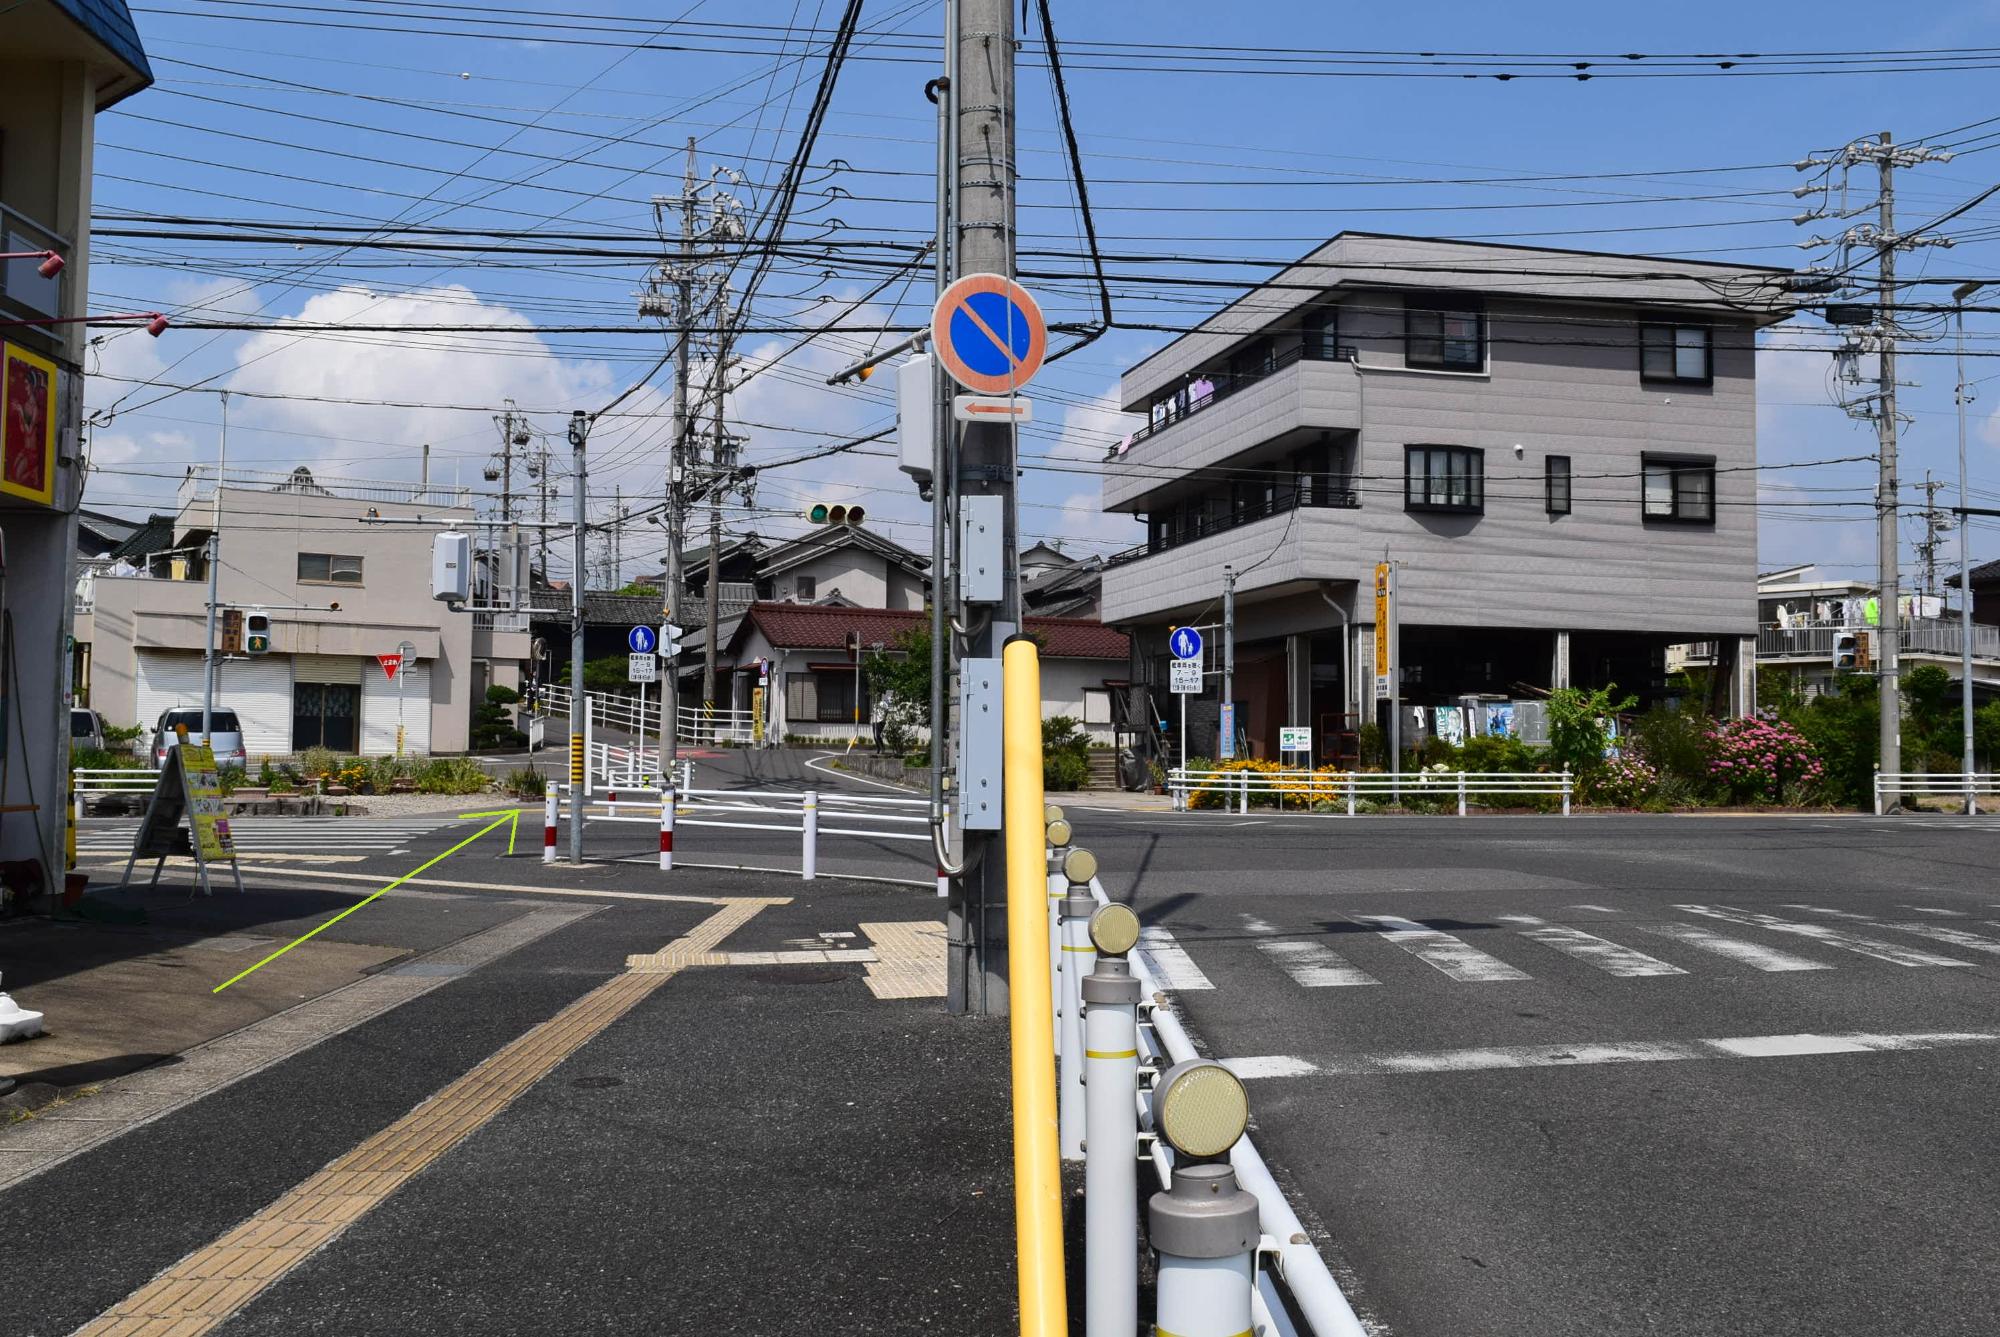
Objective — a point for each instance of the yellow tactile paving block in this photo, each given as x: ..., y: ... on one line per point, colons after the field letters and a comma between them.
x: 206, y: 1287
x: 910, y: 961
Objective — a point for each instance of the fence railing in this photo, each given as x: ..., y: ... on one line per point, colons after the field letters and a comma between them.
x: 809, y: 813
x: 1971, y: 787
x: 1306, y: 790
x: 1924, y: 635
x: 623, y: 713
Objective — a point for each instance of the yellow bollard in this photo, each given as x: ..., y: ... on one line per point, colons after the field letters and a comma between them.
x: 1037, y: 1145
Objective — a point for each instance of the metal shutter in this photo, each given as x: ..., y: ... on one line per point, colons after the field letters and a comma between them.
x: 330, y: 668
x: 378, y: 710
x: 259, y: 690
x: 165, y: 679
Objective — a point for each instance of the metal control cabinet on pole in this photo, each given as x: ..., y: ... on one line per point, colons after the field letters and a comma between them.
x: 982, y: 241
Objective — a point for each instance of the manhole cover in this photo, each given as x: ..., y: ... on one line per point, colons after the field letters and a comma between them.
x: 597, y: 1083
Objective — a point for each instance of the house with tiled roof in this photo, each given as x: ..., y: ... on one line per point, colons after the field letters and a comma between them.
x: 806, y: 657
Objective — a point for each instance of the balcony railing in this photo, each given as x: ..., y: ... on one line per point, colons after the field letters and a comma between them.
x: 1924, y: 636
x: 1225, y: 384
x: 499, y: 619
x: 200, y: 484
x: 1336, y: 492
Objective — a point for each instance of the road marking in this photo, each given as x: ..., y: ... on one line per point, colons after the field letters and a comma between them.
x: 1975, y: 942
x: 1172, y: 967
x: 1830, y: 914
x: 1253, y: 924
x: 1928, y: 910
x: 1314, y: 965
x: 208, y: 1286
x: 1753, y: 954
x: 1831, y: 937
x: 1601, y: 909
x: 321, y: 875
x: 1501, y: 1057
x: 910, y: 959
x: 1441, y: 951
x: 1604, y: 955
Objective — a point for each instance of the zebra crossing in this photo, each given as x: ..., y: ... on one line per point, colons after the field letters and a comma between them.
x: 1709, y: 939
x: 329, y: 839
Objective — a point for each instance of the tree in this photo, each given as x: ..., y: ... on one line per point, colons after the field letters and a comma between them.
x: 1930, y: 702
x: 900, y: 682
x: 637, y: 589
x: 490, y: 725
x: 1578, y: 733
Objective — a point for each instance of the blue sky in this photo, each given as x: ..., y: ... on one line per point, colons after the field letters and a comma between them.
x: 493, y: 117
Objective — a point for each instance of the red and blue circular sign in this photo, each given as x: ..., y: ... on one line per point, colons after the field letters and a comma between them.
x: 988, y: 333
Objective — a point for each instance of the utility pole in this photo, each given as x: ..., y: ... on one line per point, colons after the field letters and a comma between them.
x: 1935, y: 528
x: 719, y: 453
x: 681, y: 311
x: 1960, y: 395
x: 616, y: 538
x: 214, y: 568
x: 982, y: 74
x: 579, y: 765
x: 514, y: 433
x: 1880, y: 241
x: 1227, y: 715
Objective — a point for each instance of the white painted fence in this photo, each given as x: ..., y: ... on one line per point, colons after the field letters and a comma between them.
x: 1305, y: 789
x: 1893, y: 785
x: 809, y: 813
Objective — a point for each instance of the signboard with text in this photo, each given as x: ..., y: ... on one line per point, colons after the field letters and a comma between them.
x: 1184, y: 677
x: 642, y: 668
x: 1295, y: 738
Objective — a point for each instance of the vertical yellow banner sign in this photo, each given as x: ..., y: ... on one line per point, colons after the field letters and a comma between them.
x: 1382, y: 620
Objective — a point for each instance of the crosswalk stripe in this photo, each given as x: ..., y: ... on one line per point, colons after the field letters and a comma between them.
x: 1607, y: 956
x: 1831, y: 937
x: 1977, y: 942
x: 1932, y: 910
x: 1753, y: 954
x: 1848, y: 915
x: 1314, y: 965
x: 1172, y: 967
x: 1442, y: 952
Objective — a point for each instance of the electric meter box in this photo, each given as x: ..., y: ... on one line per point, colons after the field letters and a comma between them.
x: 451, y: 568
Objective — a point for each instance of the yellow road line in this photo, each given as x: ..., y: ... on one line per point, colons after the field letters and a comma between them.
x: 209, y: 1285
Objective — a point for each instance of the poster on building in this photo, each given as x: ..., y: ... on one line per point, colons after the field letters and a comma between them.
x: 27, y: 425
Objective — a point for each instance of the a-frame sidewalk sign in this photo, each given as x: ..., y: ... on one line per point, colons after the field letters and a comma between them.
x: 188, y: 789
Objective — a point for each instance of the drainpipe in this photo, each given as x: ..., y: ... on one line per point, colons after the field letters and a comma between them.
x: 1347, y: 695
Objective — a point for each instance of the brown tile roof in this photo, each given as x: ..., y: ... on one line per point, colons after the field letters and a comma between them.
x: 820, y: 627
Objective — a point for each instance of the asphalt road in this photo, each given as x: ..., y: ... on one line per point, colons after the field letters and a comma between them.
x: 1530, y: 1075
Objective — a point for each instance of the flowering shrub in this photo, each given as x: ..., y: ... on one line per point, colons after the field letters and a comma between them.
x: 1300, y: 787
x: 1757, y: 759
x: 1623, y: 781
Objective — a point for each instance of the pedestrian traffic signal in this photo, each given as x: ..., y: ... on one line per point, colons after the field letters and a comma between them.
x: 256, y: 633
x: 670, y: 640
x: 823, y: 514
x: 1846, y: 652
x: 232, y: 631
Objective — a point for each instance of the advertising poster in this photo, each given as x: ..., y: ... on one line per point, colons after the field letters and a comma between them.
x: 27, y: 425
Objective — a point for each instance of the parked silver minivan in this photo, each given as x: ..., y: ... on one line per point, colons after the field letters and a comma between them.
x: 228, y: 734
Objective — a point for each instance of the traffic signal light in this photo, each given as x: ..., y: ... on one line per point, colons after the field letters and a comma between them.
x: 823, y: 514
x: 1846, y: 652
x: 670, y: 640
x: 232, y: 631
x: 256, y: 633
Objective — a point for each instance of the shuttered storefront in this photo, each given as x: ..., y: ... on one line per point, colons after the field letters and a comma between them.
x: 378, y: 710
x: 326, y: 702
x: 259, y: 690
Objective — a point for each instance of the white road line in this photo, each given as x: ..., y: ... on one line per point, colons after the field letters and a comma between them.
x: 1752, y: 954
x: 1957, y: 937
x: 1442, y: 952
x: 1171, y: 966
x: 1604, y: 955
x: 1499, y: 1057
x: 1252, y: 924
x: 1929, y: 910
x: 1831, y: 937
x: 1830, y: 914
x: 1314, y: 965
x: 1601, y: 909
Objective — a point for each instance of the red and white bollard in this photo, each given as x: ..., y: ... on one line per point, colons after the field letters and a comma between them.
x: 944, y: 883
x: 809, y: 827
x: 666, y: 830
x: 549, y: 826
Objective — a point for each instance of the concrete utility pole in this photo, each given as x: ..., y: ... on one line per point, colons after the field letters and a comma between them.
x: 674, y: 585
x: 983, y: 242
x: 1887, y: 541
x: 720, y: 463
x: 214, y: 569
x: 1958, y: 299
x: 579, y: 766
x: 1228, y: 715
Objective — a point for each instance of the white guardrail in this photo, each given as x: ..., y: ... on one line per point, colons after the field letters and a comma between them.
x: 809, y: 813
x: 87, y: 783
x: 1294, y: 1289
x: 623, y: 713
x: 1973, y: 786
x: 1307, y: 789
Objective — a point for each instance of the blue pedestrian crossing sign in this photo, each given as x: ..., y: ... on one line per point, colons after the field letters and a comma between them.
x: 988, y: 333
x: 641, y: 640
x: 1185, y: 642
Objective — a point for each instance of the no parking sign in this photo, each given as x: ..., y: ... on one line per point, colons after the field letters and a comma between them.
x: 988, y: 332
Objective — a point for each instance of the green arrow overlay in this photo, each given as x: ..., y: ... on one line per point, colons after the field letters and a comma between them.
x: 513, y: 817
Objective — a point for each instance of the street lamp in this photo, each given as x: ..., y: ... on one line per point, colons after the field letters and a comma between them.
x: 52, y: 264
x: 1958, y: 296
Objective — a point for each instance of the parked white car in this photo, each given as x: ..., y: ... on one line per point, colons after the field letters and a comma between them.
x: 86, y: 728
x: 228, y: 734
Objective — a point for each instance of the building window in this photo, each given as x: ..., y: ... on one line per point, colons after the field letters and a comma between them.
x: 1679, y: 489
x: 1096, y: 705
x: 824, y: 697
x: 1558, y: 484
x: 1444, y: 478
x: 1674, y: 353
x: 320, y: 568
x: 1444, y: 332
x: 807, y: 587
x: 1322, y: 334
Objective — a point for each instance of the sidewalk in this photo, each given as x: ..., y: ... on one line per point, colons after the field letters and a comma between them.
x: 740, y: 1110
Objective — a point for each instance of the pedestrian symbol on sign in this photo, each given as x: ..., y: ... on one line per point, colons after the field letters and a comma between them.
x: 1185, y: 642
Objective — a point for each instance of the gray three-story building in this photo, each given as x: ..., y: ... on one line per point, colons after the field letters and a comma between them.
x: 1555, y: 449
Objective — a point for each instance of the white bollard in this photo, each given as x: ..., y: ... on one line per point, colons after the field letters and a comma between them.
x: 666, y: 830
x: 1350, y: 793
x: 549, y: 825
x: 1205, y: 1231
x: 1079, y: 958
x: 1111, y: 1134
x: 1566, y: 787
x: 1461, y: 793
x: 810, y: 827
